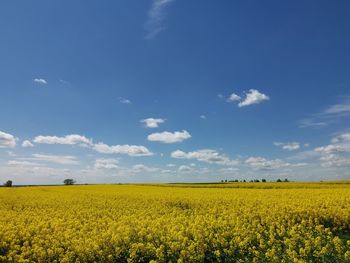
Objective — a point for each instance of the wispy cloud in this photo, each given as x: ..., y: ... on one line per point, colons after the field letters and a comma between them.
x: 23, y: 163
x: 332, y: 113
x: 141, y: 168
x: 205, y: 155
x: 59, y: 159
x: 260, y: 163
x: 156, y: 15
x: 311, y: 122
x: 103, y: 163
x: 64, y: 82
x: 40, y: 81
x: 185, y: 169
x: 342, y: 108
x: 290, y: 146
x: 124, y: 100
x: 220, y: 96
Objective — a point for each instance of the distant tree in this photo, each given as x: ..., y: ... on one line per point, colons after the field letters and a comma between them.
x: 244, y: 181
x: 279, y: 180
x: 222, y: 181
x: 256, y: 181
x: 236, y: 181
x: 226, y: 181
x: 69, y: 182
x: 263, y: 180
x: 286, y: 180
x: 8, y: 183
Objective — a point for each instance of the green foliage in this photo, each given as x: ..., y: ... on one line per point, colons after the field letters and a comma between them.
x: 69, y: 182
x: 8, y: 183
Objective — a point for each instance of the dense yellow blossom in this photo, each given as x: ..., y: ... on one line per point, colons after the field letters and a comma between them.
x: 179, y: 223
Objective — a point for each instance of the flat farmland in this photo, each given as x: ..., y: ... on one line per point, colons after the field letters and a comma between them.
x: 230, y: 222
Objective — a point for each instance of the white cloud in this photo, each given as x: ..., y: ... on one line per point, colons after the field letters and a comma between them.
x: 141, y: 168
x: 155, y: 18
x: 11, y: 154
x: 234, y: 97
x: 82, y: 141
x: 7, y: 140
x: 59, y: 159
x: 103, y: 163
x: 339, y: 108
x: 345, y: 137
x: 335, y: 155
x: 229, y: 170
x: 290, y: 146
x: 185, y: 169
x: 131, y: 150
x: 27, y: 144
x: 68, y: 139
x: 260, y: 163
x: 333, y: 113
x: 334, y: 160
x: 205, y: 155
x: 22, y: 163
x: 169, y: 137
x: 253, y: 96
x: 65, y: 82
x: 152, y: 122
x: 203, y: 117
x: 124, y: 100
x: 166, y: 171
x: 329, y: 149
x: 309, y: 122
x: 40, y: 81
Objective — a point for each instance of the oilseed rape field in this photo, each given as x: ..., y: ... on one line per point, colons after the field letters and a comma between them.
x: 238, y: 222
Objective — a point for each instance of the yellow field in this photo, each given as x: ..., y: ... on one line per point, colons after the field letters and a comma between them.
x: 269, y: 222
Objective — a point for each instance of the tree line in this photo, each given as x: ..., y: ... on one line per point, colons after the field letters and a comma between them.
x: 69, y: 181
x: 253, y: 181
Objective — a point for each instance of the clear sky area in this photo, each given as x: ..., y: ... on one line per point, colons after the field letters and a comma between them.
x: 174, y: 91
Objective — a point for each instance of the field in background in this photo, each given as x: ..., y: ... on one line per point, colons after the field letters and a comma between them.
x: 230, y: 222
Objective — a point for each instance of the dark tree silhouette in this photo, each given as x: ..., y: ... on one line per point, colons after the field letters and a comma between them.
x: 8, y: 183
x: 69, y: 182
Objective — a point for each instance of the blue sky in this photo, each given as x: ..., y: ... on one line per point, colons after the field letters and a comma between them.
x: 174, y: 91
